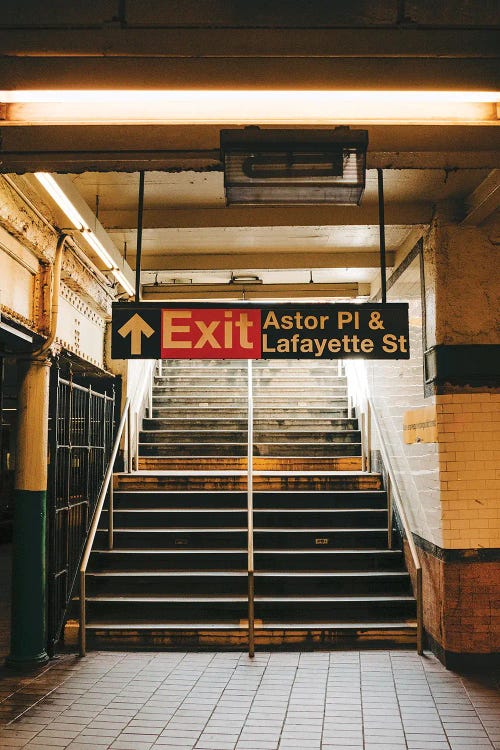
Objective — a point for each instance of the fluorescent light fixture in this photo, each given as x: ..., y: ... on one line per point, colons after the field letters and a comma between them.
x: 75, y: 217
x: 195, y: 106
x: 59, y: 196
x: 122, y: 279
x: 64, y: 203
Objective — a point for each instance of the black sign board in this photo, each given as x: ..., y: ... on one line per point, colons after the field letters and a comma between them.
x: 154, y: 330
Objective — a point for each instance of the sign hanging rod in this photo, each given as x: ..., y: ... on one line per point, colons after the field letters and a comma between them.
x: 138, y: 257
x: 381, y: 224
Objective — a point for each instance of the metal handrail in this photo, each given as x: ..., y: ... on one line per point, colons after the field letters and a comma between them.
x: 393, y: 496
x: 251, y: 571
x: 107, y: 484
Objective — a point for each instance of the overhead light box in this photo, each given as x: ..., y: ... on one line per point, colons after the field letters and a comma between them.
x: 294, y: 167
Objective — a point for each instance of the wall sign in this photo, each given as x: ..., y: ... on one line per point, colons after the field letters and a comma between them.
x: 150, y: 330
x: 420, y: 425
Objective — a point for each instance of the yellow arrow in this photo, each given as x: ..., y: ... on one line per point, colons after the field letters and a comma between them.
x: 136, y: 326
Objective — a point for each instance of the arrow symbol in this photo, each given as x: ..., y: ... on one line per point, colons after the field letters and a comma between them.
x: 136, y: 327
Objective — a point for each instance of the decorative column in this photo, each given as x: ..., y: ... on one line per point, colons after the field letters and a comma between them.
x: 29, y: 580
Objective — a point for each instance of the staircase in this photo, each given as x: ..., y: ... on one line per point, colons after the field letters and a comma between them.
x: 177, y: 575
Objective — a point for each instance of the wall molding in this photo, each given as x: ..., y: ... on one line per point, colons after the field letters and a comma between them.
x: 482, y: 554
x: 472, y: 365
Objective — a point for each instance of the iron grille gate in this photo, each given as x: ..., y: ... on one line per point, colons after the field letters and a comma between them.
x: 81, y: 426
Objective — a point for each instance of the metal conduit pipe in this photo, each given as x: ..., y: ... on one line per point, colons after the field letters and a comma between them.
x: 71, y: 243
x: 54, y: 307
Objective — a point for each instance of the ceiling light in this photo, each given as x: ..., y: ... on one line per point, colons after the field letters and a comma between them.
x: 53, y: 189
x: 294, y: 167
x: 67, y: 207
x: 122, y: 279
x: 245, y: 278
x: 75, y: 217
x: 194, y: 106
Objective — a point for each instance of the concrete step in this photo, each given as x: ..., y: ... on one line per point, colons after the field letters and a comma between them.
x: 195, y: 436
x: 269, y: 481
x: 231, y: 449
x: 321, y: 558
x: 286, y: 500
x: 213, y: 518
x: 232, y: 635
x: 235, y: 582
x: 260, y: 463
x: 224, y: 422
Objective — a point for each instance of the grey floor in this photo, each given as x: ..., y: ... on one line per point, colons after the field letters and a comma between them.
x: 375, y: 700
x: 342, y: 700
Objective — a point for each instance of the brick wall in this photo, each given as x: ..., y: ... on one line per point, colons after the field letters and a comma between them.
x: 461, y: 603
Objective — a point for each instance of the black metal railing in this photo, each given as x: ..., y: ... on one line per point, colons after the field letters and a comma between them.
x: 81, y: 427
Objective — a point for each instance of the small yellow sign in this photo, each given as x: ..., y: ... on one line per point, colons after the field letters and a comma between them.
x: 420, y: 425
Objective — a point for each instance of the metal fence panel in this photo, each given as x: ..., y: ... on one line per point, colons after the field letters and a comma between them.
x: 81, y: 426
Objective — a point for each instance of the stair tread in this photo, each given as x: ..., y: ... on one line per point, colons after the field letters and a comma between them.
x: 241, y: 472
x: 244, y: 573
x: 206, y: 529
x: 243, y: 598
x: 200, y: 509
x: 237, y: 625
x: 243, y: 493
x: 244, y: 550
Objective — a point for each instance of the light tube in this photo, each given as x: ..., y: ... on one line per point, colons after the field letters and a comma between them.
x: 122, y: 279
x: 53, y: 189
x: 60, y: 197
x: 198, y: 106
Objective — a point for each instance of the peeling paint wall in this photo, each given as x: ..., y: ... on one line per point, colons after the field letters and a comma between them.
x: 462, y: 266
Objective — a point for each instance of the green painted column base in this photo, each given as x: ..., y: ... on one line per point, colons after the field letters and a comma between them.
x: 28, y: 634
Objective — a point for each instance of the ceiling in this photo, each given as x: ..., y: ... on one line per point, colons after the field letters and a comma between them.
x: 208, y: 47
x: 191, y: 237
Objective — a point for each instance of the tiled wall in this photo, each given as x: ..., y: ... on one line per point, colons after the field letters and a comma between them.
x: 469, y: 462
x: 395, y: 387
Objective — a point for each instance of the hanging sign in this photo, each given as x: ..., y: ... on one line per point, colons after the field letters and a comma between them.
x: 157, y: 330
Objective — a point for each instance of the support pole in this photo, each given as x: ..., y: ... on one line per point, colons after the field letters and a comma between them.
x: 381, y: 226
x: 28, y: 639
x: 138, y: 256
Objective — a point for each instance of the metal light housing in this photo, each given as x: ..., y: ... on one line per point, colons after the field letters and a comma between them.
x: 294, y: 167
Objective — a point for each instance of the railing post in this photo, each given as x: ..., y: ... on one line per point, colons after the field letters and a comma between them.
x: 129, y: 440
x: 251, y: 582
x: 363, y: 447
x: 137, y: 441
x: 420, y: 613
x: 150, y: 394
x: 389, y: 512
x: 82, y: 634
x: 368, y: 437
x: 111, y: 508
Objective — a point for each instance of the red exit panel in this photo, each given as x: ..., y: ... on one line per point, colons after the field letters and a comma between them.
x: 211, y: 334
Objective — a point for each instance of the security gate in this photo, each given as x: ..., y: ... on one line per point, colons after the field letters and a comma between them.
x: 81, y: 425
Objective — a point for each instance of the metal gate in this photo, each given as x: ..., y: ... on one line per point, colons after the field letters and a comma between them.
x: 81, y: 426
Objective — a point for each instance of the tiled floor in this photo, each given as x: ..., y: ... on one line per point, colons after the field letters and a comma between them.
x: 339, y: 700
x: 220, y: 701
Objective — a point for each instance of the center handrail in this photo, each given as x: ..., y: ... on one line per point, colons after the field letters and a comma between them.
x: 250, y: 562
x: 125, y: 420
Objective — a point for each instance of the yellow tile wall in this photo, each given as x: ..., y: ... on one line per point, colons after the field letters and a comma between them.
x: 469, y: 468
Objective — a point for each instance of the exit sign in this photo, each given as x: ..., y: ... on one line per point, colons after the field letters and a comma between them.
x: 253, y: 331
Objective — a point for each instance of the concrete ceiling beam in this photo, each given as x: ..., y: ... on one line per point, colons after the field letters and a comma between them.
x: 484, y: 200
x: 321, y: 73
x: 267, y: 259
x: 198, y: 42
x: 249, y: 291
x: 397, y: 214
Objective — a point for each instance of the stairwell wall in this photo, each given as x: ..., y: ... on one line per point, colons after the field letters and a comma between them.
x: 451, y: 488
